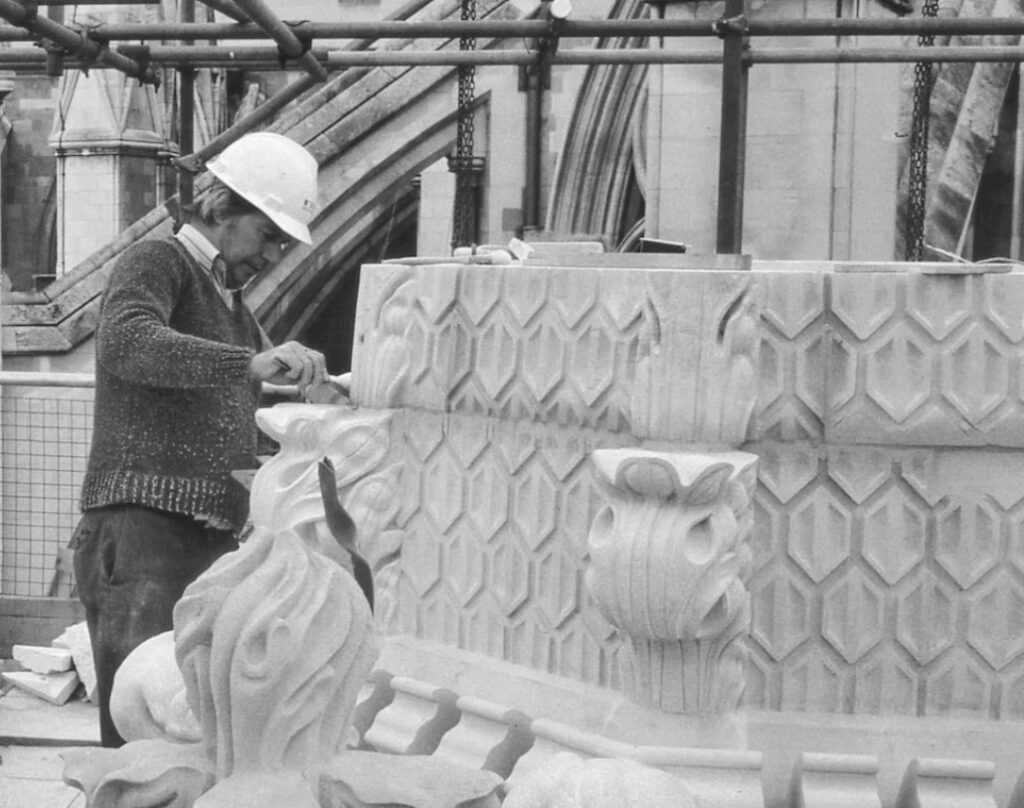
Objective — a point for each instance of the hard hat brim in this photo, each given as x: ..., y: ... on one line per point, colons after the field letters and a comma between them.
x: 295, y: 229
x: 289, y: 225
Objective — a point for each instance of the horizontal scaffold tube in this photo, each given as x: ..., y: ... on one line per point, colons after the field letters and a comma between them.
x: 287, y: 41
x: 256, y: 57
x: 453, y: 29
x: 101, y: 3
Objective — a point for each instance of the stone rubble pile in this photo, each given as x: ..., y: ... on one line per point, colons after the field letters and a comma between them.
x: 53, y: 673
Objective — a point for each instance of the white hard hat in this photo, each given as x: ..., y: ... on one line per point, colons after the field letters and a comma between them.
x: 275, y: 174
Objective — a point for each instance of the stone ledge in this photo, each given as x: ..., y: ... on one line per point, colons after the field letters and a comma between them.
x: 887, y: 761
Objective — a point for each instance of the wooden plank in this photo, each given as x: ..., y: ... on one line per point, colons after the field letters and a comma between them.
x: 35, y: 621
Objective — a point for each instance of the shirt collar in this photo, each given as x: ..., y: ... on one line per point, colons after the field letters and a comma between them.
x: 198, y: 246
x: 207, y: 256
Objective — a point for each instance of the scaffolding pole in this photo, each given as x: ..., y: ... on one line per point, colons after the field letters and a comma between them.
x: 186, y: 112
x: 294, y: 41
x: 195, y: 162
x: 732, y: 127
x: 265, y: 58
x: 80, y: 45
x: 585, y: 29
x: 100, y: 3
x: 286, y: 39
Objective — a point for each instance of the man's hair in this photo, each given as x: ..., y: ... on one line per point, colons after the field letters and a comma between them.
x: 219, y: 201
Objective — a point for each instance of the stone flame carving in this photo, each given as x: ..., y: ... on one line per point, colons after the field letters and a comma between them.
x: 668, y: 558
x: 272, y: 646
x: 286, y: 492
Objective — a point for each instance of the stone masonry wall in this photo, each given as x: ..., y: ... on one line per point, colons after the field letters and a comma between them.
x: 505, y: 380
x: 888, y: 548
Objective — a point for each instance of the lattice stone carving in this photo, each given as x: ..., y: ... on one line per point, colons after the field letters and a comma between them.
x: 884, y: 528
x: 916, y: 577
x: 925, y: 359
x: 888, y: 538
x: 668, y: 556
x: 610, y: 349
x: 494, y: 519
x: 503, y: 380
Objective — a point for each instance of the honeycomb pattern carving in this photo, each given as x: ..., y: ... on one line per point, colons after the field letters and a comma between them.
x: 916, y: 609
x: 888, y: 579
x: 887, y: 570
x: 613, y: 349
x: 493, y: 562
x: 923, y: 360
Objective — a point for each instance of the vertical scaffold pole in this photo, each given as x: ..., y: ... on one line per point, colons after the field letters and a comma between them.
x: 732, y: 28
x: 186, y: 111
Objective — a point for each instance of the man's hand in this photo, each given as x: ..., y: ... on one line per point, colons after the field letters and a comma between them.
x: 290, y: 363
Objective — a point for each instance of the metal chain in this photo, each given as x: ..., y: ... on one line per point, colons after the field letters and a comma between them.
x: 917, y: 185
x: 464, y: 224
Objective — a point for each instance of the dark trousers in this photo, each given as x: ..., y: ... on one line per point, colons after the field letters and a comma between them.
x: 132, y: 564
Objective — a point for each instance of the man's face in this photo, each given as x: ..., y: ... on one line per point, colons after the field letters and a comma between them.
x: 250, y: 243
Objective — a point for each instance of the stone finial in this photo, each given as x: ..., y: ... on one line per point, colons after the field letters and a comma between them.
x: 668, y: 560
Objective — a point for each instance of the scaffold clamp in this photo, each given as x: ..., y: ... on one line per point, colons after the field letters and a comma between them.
x: 730, y: 26
x: 305, y: 42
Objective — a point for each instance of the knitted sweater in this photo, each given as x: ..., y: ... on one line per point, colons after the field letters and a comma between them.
x: 175, y: 406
